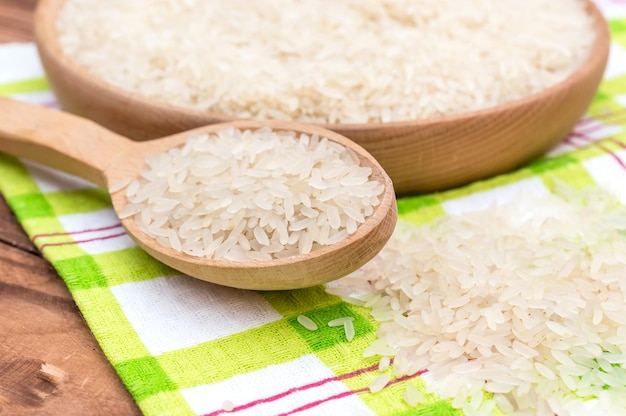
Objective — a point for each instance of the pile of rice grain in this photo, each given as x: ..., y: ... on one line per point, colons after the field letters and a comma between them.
x: 525, y: 300
x: 340, y: 61
x: 251, y: 195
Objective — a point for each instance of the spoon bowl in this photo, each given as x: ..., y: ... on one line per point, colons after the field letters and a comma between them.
x: 84, y: 148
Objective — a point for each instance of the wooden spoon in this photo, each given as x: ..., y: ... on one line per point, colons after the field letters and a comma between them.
x: 83, y: 148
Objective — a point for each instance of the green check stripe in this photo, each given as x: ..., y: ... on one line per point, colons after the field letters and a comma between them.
x: 15, y: 178
x: 119, y: 340
x: 291, y: 303
x: 618, y: 31
x: 566, y: 168
x: 237, y: 354
x: 166, y: 403
x: 153, y: 379
x: 156, y: 381
x: 278, y: 342
x: 25, y: 86
x: 79, y: 201
x: 393, y: 403
x: 137, y: 266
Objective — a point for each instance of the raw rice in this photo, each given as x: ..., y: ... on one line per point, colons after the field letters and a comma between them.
x: 245, y: 195
x: 307, y: 322
x: 348, y: 61
x: 340, y: 321
x: 349, y: 331
x: 348, y: 326
x: 525, y: 299
x: 228, y: 406
x: 413, y: 396
x: 384, y: 363
x: 379, y: 383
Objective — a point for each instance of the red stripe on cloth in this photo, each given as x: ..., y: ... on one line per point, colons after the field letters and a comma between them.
x: 345, y: 394
x: 591, y: 129
x: 606, y: 150
x: 585, y: 120
x: 577, y: 135
x: 611, y: 120
x: 617, y: 142
x: 583, y: 136
x: 88, y: 230
x: 313, y: 385
x: 322, y: 401
x: 607, y: 118
x: 613, y: 154
x: 601, y: 120
x: 89, y: 240
x: 296, y: 389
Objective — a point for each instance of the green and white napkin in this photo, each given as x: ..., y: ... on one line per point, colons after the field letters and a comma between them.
x: 185, y: 347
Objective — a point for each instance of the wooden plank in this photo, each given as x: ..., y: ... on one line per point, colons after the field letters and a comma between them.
x: 12, y: 233
x: 16, y: 20
x: 50, y: 363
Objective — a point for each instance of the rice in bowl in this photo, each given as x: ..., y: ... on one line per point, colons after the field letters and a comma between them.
x: 348, y: 61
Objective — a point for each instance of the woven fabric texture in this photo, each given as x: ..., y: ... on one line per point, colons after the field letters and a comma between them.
x: 183, y: 346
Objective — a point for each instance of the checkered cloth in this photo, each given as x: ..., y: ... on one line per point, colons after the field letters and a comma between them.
x: 184, y: 346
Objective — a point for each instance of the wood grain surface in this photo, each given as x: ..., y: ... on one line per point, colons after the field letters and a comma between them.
x: 50, y: 363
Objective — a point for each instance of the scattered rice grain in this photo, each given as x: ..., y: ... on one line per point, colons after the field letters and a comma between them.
x: 307, y: 322
x: 379, y: 383
x: 484, y: 302
x: 413, y: 396
x: 349, y: 331
x: 228, y: 406
x: 340, y: 321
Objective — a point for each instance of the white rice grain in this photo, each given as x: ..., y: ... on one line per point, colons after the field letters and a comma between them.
x: 307, y: 322
x: 351, y: 61
x: 228, y: 406
x: 232, y: 209
x: 340, y: 321
x: 413, y: 396
x: 384, y: 363
x: 379, y: 383
x: 349, y: 331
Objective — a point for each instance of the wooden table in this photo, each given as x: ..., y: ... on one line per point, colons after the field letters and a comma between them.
x: 50, y: 363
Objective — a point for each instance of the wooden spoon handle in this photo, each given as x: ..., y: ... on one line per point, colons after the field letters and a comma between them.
x: 60, y: 140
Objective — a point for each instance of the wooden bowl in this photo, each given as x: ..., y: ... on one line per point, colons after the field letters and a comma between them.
x: 420, y: 156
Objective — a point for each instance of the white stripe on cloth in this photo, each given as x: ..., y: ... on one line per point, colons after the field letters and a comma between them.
x: 24, y: 62
x: 483, y: 200
x: 616, y: 66
x: 171, y: 313
x: 52, y: 180
x: 94, y: 232
x: 269, y: 392
x: 609, y: 172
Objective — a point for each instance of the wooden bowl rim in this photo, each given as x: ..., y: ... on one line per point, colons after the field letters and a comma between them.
x: 47, y: 11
